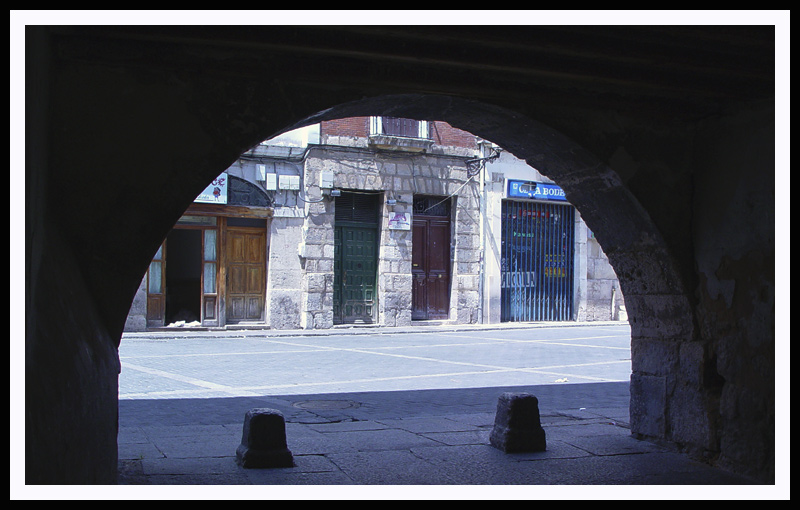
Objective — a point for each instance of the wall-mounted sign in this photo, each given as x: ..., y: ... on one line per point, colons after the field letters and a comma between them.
x: 535, y: 190
x: 399, y: 221
x: 216, y: 192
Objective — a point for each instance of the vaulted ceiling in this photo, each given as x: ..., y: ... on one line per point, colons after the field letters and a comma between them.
x: 690, y: 70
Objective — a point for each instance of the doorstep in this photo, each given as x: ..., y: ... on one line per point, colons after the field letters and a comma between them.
x: 435, y: 322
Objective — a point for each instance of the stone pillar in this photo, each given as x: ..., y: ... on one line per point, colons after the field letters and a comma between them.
x: 264, y: 441
x: 517, y: 427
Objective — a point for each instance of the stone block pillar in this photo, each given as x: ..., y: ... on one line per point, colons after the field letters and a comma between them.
x: 264, y: 441
x: 517, y: 427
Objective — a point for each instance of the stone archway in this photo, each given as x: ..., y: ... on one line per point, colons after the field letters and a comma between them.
x: 125, y: 126
x: 664, y: 344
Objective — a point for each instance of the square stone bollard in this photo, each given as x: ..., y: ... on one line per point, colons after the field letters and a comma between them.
x: 517, y: 427
x: 264, y: 441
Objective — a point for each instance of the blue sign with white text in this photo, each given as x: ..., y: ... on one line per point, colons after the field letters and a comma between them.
x: 535, y: 190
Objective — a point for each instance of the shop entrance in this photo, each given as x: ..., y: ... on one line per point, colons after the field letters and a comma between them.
x: 537, y: 261
x: 183, y: 276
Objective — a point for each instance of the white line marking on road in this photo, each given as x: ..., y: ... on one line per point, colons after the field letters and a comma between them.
x: 305, y: 348
x: 206, y: 387
x: 553, y: 341
x: 306, y: 386
x: 422, y: 358
x: 189, y: 380
x: 210, y: 354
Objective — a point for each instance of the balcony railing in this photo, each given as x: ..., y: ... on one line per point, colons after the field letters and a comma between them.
x: 395, y: 126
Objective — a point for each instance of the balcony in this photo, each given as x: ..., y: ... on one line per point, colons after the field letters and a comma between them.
x: 392, y: 133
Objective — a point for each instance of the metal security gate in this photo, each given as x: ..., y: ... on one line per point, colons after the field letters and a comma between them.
x: 537, y: 261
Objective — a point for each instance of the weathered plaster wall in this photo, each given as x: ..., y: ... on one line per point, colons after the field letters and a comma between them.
x: 285, y: 285
x: 604, y: 299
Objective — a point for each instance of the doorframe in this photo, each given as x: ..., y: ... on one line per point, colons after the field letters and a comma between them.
x: 337, y: 281
x: 204, y: 321
x: 224, y: 281
x: 428, y: 218
x: 369, y: 217
x: 159, y: 302
x: 222, y: 213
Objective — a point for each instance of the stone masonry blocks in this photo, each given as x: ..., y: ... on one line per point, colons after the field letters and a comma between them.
x: 648, y: 405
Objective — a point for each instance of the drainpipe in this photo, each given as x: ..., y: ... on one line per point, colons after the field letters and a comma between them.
x: 482, y: 241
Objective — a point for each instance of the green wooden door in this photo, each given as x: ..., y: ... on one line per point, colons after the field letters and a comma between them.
x: 355, y: 273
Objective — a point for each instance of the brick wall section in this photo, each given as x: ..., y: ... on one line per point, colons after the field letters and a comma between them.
x: 446, y: 135
x: 352, y: 126
x: 442, y: 133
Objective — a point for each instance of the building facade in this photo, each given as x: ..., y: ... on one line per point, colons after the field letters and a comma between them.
x: 541, y: 262
x: 376, y: 220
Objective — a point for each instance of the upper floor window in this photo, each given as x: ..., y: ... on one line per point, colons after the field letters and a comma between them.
x: 395, y: 126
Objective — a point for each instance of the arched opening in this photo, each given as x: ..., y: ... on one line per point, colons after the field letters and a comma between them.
x: 492, y: 239
x: 571, y: 161
x: 690, y: 382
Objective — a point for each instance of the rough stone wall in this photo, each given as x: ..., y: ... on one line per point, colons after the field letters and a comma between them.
x: 734, y: 246
x: 71, y: 361
x: 701, y: 376
x: 400, y: 175
x: 316, y: 245
x: 75, y: 379
x: 394, y: 273
x: 465, y: 308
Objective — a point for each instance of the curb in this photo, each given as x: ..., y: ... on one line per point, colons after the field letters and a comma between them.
x: 352, y: 329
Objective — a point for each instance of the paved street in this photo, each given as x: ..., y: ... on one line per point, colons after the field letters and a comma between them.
x: 256, y: 363
x: 389, y: 407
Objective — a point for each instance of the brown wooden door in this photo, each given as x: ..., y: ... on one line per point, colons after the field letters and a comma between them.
x: 430, y: 268
x: 246, y: 275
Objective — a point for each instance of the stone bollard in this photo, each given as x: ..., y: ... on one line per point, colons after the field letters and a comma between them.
x: 264, y: 441
x: 517, y: 427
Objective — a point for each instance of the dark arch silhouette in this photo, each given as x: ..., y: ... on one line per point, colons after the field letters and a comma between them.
x: 649, y: 275
x: 669, y: 160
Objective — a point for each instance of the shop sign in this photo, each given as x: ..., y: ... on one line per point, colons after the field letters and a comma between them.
x: 399, y: 221
x: 216, y: 192
x: 535, y: 190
